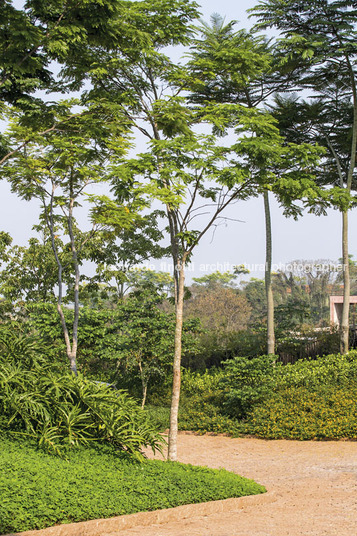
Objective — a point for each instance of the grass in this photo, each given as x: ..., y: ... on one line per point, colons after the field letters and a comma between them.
x: 38, y: 490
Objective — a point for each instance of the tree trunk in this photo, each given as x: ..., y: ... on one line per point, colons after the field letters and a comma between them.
x: 50, y: 224
x: 268, y: 285
x: 345, y: 328
x: 144, y: 384
x: 73, y: 354
x: 145, y: 390
x: 176, y: 385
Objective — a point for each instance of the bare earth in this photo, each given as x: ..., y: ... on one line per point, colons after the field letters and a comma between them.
x: 312, y: 488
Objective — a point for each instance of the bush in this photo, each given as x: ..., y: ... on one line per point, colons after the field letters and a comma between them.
x: 200, y: 383
x: 65, y: 411
x: 333, y: 370
x: 203, y: 415
x: 246, y: 383
x: 312, y: 399
x: 201, y: 403
x: 299, y: 413
x: 38, y: 490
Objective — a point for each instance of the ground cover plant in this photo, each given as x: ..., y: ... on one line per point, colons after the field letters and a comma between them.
x: 39, y: 490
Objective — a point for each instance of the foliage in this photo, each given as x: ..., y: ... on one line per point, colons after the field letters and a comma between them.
x: 38, y: 491
x: 247, y: 382
x: 119, y: 255
x: 30, y: 274
x: 332, y: 370
x: 146, y: 340
x: 221, y: 309
x: 200, y: 405
x: 19, y: 347
x: 219, y: 279
x: 305, y: 414
x: 311, y: 399
x: 194, y: 383
x: 62, y: 411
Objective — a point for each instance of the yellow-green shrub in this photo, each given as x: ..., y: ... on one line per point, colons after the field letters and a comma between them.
x: 300, y: 413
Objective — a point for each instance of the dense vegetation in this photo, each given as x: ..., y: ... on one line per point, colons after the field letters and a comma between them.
x: 311, y: 399
x: 39, y: 490
x: 142, y: 165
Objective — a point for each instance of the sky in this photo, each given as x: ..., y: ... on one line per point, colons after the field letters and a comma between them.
x: 232, y: 243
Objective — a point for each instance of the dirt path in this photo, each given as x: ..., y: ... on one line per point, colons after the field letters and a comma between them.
x: 312, y: 488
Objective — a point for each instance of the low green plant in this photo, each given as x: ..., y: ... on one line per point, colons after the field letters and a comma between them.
x: 38, y: 490
x: 301, y: 413
x: 246, y: 382
x: 311, y: 399
x: 61, y: 412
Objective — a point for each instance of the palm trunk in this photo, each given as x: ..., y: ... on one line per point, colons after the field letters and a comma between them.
x: 345, y: 328
x: 176, y: 384
x: 268, y: 285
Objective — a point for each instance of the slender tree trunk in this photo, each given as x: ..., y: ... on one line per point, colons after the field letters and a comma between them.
x: 145, y: 390
x: 268, y: 285
x: 71, y: 349
x: 176, y: 384
x: 344, y: 327
x: 345, y: 322
x: 144, y: 384
x: 51, y: 228
x: 72, y: 356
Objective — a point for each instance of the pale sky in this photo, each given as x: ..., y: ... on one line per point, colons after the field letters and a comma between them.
x: 234, y: 243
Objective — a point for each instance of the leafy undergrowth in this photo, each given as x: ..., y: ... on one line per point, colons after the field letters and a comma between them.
x: 39, y: 490
x: 310, y: 400
x: 297, y: 413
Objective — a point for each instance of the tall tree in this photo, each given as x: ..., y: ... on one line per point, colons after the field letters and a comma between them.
x: 182, y: 169
x: 37, y: 34
x: 56, y: 169
x: 241, y: 67
x: 321, y: 38
x: 192, y: 176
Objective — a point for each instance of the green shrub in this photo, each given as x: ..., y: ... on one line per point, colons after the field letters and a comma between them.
x: 247, y: 382
x: 65, y: 411
x: 200, y: 383
x: 200, y: 414
x: 201, y: 401
x: 311, y: 399
x: 38, y: 490
x: 300, y: 413
x: 159, y: 416
x: 333, y: 370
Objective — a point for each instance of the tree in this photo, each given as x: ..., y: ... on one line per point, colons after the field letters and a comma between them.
x: 56, y: 169
x: 243, y: 68
x: 39, y: 33
x: 189, y: 174
x: 218, y: 279
x: 321, y: 38
x: 145, y: 339
x: 30, y: 271
x: 119, y: 256
x: 180, y: 168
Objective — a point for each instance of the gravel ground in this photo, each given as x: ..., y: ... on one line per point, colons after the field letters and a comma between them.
x: 312, y: 488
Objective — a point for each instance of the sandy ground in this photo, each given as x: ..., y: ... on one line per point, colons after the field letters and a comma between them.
x: 312, y: 488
